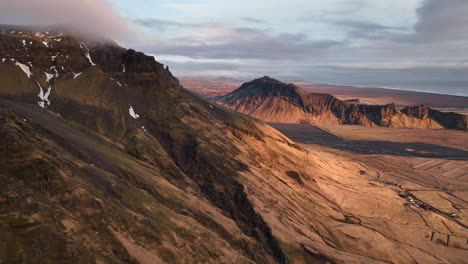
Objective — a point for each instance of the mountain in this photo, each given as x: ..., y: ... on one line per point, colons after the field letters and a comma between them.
x: 273, y: 101
x: 106, y: 158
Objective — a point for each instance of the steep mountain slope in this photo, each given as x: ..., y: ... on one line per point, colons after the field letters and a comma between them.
x: 119, y: 164
x: 273, y: 101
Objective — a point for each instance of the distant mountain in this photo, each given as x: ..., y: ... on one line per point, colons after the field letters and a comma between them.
x: 273, y: 101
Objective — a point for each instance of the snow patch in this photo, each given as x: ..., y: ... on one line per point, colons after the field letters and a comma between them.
x: 123, y: 67
x: 48, y: 76
x: 45, y: 43
x: 24, y: 42
x: 144, y: 129
x: 24, y: 68
x: 211, y: 106
x: 3, y: 60
x: 132, y: 113
x: 75, y: 75
x: 55, y: 70
x: 119, y: 84
x: 86, y: 52
x: 53, y: 57
x: 43, y: 96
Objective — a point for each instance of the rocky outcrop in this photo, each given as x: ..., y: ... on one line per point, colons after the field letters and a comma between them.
x: 273, y: 101
x: 448, y: 120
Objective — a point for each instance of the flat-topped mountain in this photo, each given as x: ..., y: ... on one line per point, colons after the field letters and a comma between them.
x: 273, y: 101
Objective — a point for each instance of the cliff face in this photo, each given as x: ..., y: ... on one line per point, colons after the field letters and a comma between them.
x: 447, y: 120
x: 273, y: 101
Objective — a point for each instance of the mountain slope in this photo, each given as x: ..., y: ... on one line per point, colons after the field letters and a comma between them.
x: 273, y: 101
x: 120, y: 164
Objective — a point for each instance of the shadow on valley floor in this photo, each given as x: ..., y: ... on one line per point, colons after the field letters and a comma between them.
x: 308, y: 134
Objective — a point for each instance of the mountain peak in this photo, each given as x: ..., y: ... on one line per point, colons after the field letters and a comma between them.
x: 266, y: 79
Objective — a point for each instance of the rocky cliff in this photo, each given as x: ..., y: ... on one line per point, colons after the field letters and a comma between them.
x: 447, y: 120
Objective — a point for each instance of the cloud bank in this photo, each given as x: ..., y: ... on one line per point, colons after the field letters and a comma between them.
x: 96, y: 17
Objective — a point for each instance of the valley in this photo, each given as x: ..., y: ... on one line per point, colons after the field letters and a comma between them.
x: 430, y: 179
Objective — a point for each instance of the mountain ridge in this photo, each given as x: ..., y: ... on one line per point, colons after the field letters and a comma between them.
x: 291, y: 104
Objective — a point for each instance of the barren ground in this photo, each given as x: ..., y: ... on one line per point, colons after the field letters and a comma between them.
x: 428, y: 169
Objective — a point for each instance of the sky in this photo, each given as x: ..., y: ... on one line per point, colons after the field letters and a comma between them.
x: 403, y: 44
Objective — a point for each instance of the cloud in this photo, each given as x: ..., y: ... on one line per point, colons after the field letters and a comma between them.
x: 442, y: 21
x: 253, y: 20
x: 219, y: 42
x: 367, y: 29
x: 89, y: 16
x: 163, y: 25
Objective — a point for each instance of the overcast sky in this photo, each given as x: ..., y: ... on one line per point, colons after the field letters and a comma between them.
x: 407, y: 44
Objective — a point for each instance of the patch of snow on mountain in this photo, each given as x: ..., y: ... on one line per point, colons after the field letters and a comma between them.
x: 119, y: 84
x: 3, y: 60
x: 56, y: 72
x: 48, y: 76
x: 75, y: 75
x: 43, y: 96
x: 24, y: 42
x: 123, y: 66
x: 132, y: 113
x: 86, y: 52
x: 24, y: 68
x: 45, y: 43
